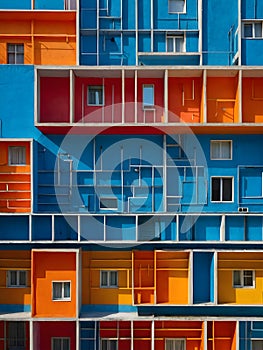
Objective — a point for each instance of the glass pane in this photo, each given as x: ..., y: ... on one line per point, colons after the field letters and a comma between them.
x: 67, y: 290
x: 56, y: 344
x: 104, y: 344
x: 22, y: 278
x: 248, y: 278
x: 176, y: 5
x: 95, y: 95
x: 258, y: 30
x: 103, y: 278
x: 11, y: 58
x: 248, y: 30
x: 227, y: 189
x: 19, y: 58
x: 170, y: 44
x: 113, y: 278
x: 113, y: 345
x: 179, y: 44
x: 148, y: 95
x: 257, y: 344
x: 12, y: 276
x: 65, y: 344
x: 216, y: 189
x: 57, y: 290
x: 226, y: 150
x: 20, y: 48
x: 237, y: 278
x: 215, y: 150
x: 11, y: 48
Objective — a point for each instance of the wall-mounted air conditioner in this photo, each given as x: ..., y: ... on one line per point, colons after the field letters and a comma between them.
x: 243, y: 210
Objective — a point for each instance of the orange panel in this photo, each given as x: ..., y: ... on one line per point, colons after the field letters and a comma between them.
x: 48, y: 267
x: 252, y: 100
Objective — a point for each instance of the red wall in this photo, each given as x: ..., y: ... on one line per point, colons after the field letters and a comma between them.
x: 44, y: 331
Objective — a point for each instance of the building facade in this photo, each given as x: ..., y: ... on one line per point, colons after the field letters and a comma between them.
x: 131, y: 175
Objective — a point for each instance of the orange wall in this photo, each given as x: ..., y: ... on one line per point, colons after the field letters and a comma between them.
x: 252, y: 100
x: 15, y: 181
x: 48, y: 267
x: 15, y: 260
x: 49, y: 38
x: 222, y: 99
x: 184, y: 100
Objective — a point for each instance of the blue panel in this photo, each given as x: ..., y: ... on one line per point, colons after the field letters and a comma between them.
x: 129, y: 50
x: 88, y: 19
x: 105, y: 308
x: 49, y: 5
x: 254, y: 228
x: 252, y: 52
x: 251, y: 9
x: 144, y: 42
x: 128, y: 14
x: 41, y: 228
x: 144, y: 14
x: 202, y: 277
x: 14, y: 227
x: 12, y: 308
x: 91, y: 228
x: 15, y: 4
x: 66, y: 228
x: 120, y: 228
x: 235, y: 228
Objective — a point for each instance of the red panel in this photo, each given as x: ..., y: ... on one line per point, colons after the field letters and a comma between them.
x: 44, y: 331
x: 110, y: 112
x: 54, y: 100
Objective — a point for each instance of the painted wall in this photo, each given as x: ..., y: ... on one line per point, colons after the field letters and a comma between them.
x: 48, y: 267
x: 12, y: 298
x: 45, y: 331
x: 252, y: 100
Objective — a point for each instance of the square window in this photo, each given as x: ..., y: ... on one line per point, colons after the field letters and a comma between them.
x: 16, y: 278
x: 244, y: 279
x: 109, y: 344
x: 175, y: 43
x: 176, y: 6
x: 108, y: 203
x: 16, y: 335
x: 252, y: 29
x: 148, y: 96
x: 108, y: 279
x: 248, y: 30
x: 16, y: 155
x: 221, y: 150
x: 96, y: 95
x: 15, y: 53
x: 61, y: 291
x: 175, y: 344
x: 222, y: 189
x: 60, y: 343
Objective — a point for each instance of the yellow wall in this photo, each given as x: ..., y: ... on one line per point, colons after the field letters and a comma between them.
x: 227, y: 262
x: 15, y: 260
x: 92, y: 264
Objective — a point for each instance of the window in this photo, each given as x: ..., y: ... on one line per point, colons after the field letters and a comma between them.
x: 221, y: 150
x: 243, y: 279
x: 175, y: 344
x: 175, y: 43
x: 222, y: 189
x: 108, y: 203
x: 16, y: 335
x: 15, y: 53
x: 16, y: 155
x: 16, y: 278
x: 175, y: 6
x: 252, y: 30
x: 148, y: 96
x: 257, y: 344
x: 61, y: 291
x: 109, y: 279
x: 109, y: 344
x: 96, y: 95
x: 60, y: 343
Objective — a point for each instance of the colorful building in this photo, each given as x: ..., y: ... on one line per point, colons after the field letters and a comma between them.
x: 131, y: 175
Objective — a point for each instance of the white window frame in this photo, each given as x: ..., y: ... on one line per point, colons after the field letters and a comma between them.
x: 253, y: 24
x: 108, y: 346
x: 109, y: 285
x: 174, y: 37
x: 220, y: 149
x: 174, y: 345
x: 22, y: 155
x: 63, y: 298
x: 18, y: 278
x: 98, y: 88
x: 103, y: 207
x: 146, y: 105
x: 221, y: 189
x: 15, y: 52
x: 171, y: 11
x: 62, y: 340
x: 13, y: 339
x: 242, y: 279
